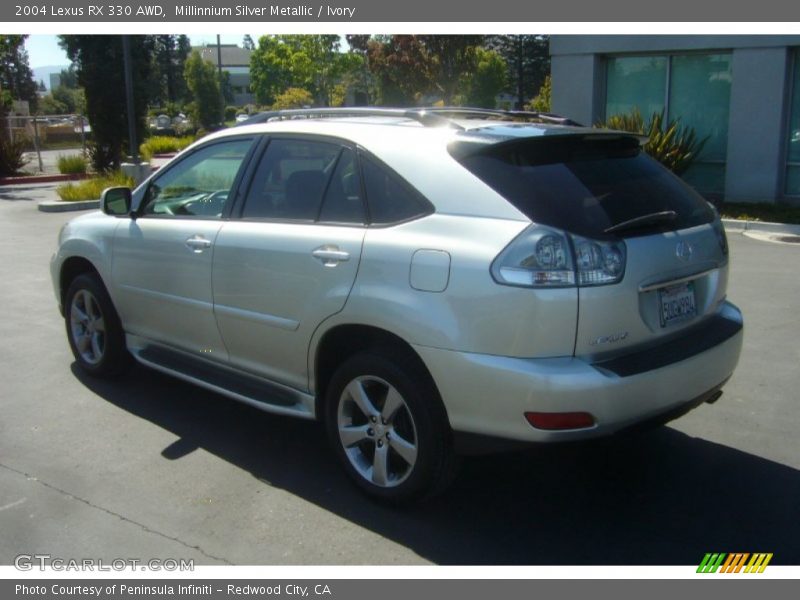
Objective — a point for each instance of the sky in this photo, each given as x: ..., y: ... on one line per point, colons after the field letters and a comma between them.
x: 43, y: 50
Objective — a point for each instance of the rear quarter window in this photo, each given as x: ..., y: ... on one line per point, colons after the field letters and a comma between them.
x: 390, y: 199
x: 584, y: 184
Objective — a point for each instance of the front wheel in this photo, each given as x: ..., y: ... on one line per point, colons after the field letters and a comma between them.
x: 93, y: 328
x: 388, y: 426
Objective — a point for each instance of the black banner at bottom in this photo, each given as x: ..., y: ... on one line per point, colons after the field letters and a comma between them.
x: 382, y: 589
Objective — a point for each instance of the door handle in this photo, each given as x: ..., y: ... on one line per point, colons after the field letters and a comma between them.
x: 330, y: 255
x: 197, y: 243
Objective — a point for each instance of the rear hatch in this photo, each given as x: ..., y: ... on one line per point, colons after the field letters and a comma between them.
x: 613, y: 206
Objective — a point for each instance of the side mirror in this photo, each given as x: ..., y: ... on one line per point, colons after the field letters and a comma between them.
x: 116, y: 201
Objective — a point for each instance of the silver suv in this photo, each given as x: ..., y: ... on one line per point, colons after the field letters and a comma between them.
x: 424, y: 282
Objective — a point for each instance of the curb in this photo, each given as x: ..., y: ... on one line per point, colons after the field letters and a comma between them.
x: 54, y: 206
x: 737, y: 226
x: 43, y: 178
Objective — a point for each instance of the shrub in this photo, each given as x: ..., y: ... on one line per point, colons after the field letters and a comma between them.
x: 542, y: 102
x: 230, y: 112
x: 11, y: 154
x: 672, y: 145
x: 72, y: 164
x: 104, y: 157
x: 293, y: 98
x: 90, y: 189
x: 162, y: 144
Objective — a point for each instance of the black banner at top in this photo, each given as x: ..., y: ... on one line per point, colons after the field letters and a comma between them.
x: 392, y: 11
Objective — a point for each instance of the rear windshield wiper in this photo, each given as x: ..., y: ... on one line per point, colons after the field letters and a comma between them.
x: 656, y: 218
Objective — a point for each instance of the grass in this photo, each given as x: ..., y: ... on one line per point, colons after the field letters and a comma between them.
x: 164, y: 144
x: 747, y: 211
x: 90, y: 189
x: 74, y: 163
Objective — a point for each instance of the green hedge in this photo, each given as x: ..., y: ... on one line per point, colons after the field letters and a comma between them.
x: 163, y: 144
x: 91, y: 189
x: 74, y: 163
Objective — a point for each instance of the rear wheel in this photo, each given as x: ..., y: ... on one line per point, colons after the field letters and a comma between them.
x: 389, y: 428
x: 93, y: 328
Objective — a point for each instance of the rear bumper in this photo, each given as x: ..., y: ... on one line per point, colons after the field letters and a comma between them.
x: 489, y: 395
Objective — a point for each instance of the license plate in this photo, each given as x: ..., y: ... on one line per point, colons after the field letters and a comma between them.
x: 676, y: 303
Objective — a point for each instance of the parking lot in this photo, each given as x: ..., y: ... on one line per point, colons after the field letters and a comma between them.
x: 150, y: 467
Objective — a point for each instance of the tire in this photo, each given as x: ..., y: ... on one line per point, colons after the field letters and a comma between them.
x: 94, y: 331
x: 388, y: 427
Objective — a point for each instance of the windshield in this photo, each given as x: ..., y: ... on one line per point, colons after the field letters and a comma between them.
x: 586, y: 184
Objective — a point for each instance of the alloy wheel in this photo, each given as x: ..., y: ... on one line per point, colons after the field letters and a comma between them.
x: 377, y: 431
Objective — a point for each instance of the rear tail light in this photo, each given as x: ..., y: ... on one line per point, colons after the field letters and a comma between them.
x: 546, y: 257
x: 557, y: 421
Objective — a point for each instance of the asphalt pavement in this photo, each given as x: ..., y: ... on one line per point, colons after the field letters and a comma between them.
x: 150, y: 467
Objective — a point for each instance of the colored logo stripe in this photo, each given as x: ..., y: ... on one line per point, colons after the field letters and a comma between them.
x: 734, y: 562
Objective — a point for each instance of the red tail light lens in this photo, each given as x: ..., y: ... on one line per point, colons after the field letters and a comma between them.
x: 557, y: 421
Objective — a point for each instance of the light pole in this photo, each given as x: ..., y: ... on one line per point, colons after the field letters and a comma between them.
x: 126, y: 58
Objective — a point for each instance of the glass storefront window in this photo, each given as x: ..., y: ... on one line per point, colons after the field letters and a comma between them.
x: 636, y: 82
x: 700, y: 91
x: 694, y: 88
x: 793, y: 152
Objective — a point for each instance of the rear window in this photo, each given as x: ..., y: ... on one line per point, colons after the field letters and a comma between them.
x: 585, y: 185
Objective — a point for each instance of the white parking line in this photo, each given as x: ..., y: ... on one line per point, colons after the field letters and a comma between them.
x: 13, y: 504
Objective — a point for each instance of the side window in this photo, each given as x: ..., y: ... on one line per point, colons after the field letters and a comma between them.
x: 290, y: 180
x: 199, y: 185
x: 343, y: 202
x: 390, y: 199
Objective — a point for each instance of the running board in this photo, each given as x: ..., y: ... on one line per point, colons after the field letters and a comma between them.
x: 260, y: 393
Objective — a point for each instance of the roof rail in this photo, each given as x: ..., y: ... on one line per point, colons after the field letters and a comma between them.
x: 462, y: 111
x: 421, y: 115
x: 427, y: 116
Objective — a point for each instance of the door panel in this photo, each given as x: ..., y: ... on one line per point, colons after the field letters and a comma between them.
x: 274, y: 283
x: 281, y: 271
x: 162, y: 275
x: 161, y: 269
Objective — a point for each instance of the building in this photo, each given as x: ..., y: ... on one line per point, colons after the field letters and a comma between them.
x: 741, y: 92
x: 236, y: 61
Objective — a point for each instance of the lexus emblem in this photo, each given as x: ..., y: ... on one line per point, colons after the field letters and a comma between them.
x: 684, y: 251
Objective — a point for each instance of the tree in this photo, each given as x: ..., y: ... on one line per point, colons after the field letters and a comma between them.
x: 227, y: 88
x: 402, y: 68
x: 16, y: 76
x: 248, y: 43
x: 201, y: 78
x: 528, y: 61
x: 270, y: 69
x: 452, y: 58
x: 68, y: 78
x: 61, y: 101
x: 169, y: 60
x: 488, y: 80
x: 360, y: 78
x: 99, y: 64
x: 311, y: 62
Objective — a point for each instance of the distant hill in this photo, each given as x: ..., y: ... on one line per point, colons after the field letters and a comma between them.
x: 43, y: 73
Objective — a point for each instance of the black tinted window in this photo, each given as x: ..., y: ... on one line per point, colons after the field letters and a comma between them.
x: 585, y: 185
x: 390, y: 199
x: 290, y: 180
x: 343, y: 202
